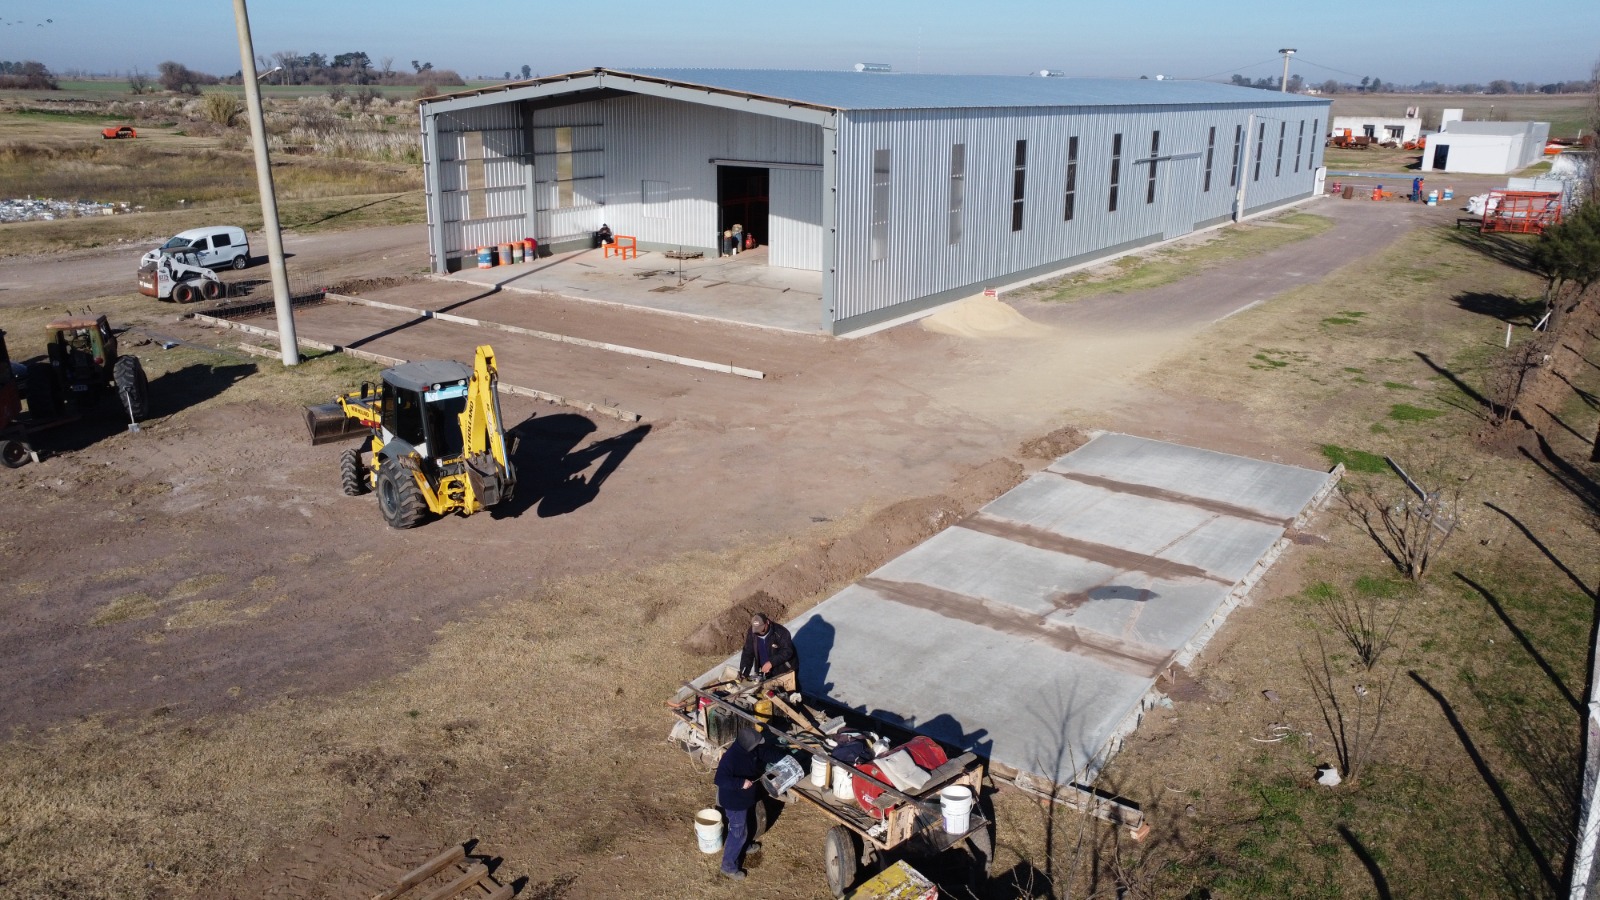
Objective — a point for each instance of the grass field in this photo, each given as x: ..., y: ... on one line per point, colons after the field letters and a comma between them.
x: 1568, y: 114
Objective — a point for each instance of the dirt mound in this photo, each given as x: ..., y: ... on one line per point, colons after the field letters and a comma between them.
x: 355, y: 287
x: 983, y: 317
x: 1054, y: 445
x: 890, y: 532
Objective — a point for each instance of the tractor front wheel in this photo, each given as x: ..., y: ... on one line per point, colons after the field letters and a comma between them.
x: 353, y: 478
x: 399, y: 498
x: 132, y: 388
x: 13, y: 453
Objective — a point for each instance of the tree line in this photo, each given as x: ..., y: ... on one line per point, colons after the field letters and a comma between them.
x: 1372, y: 85
x: 352, y: 68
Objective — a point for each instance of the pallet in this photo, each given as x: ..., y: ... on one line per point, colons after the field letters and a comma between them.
x: 468, y: 877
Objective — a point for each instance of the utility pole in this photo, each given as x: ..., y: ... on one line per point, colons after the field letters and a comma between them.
x: 1283, y: 86
x: 269, y: 198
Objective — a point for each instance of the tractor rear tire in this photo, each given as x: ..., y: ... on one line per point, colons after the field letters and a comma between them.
x: 13, y: 453
x: 212, y: 290
x: 133, y: 390
x: 42, y: 400
x: 353, y: 474
x: 184, y: 293
x: 399, y: 498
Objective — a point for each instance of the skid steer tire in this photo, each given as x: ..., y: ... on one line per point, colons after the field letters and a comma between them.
x: 133, y: 390
x: 352, y: 473
x: 13, y: 453
x: 212, y: 290
x: 184, y: 293
x: 399, y: 498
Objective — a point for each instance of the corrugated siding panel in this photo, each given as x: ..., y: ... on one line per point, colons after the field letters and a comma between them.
x: 796, y: 219
x: 651, y: 139
x: 921, y: 260
x: 498, y: 213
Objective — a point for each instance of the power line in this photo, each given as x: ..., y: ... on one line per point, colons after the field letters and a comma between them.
x: 1231, y: 71
x: 1331, y: 68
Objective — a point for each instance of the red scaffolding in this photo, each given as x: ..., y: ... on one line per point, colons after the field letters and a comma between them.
x: 1522, y: 212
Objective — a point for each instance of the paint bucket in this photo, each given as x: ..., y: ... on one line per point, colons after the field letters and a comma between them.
x: 955, y: 805
x: 485, y: 258
x: 708, y: 830
x: 530, y: 248
x: 516, y: 252
x: 1449, y: 194
x: 819, y: 771
x: 1433, y: 198
x: 842, y: 789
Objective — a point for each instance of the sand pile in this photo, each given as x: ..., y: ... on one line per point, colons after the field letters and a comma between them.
x: 983, y: 317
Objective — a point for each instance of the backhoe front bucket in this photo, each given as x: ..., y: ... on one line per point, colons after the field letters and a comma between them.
x: 328, y: 424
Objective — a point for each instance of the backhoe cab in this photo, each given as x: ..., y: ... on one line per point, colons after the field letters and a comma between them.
x: 436, y: 438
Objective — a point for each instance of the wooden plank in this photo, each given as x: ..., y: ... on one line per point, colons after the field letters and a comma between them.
x: 425, y: 871
x: 467, y: 879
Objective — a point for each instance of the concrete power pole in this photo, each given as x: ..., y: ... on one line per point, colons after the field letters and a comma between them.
x: 1283, y: 86
x: 269, y: 199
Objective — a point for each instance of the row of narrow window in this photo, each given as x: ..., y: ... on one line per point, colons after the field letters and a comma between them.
x: 1019, y: 176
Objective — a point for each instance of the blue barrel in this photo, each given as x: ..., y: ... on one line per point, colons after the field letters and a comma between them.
x: 485, y: 258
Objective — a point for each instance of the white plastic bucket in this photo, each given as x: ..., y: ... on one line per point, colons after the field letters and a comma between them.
x: 708, y: 830
x: 1433, y: 198
x: 955, y: 805
x: 842, y: 789
x: 819, y: 771
x: 1449, y: 194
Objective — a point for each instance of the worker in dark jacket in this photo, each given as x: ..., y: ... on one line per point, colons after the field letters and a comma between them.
x: 738, y: 790
x: 769, y: 653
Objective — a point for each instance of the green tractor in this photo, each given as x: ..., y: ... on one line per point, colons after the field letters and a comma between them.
x: 82, y: 372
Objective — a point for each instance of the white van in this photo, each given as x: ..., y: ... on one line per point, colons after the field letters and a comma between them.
x: 217, y: 246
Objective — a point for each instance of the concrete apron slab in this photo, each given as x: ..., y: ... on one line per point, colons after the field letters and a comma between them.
x: 1033, y: 632
x: 742, y: 289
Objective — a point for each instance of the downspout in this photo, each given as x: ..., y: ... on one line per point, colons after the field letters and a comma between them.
x: 830, y: 223
x: 1244, y: 169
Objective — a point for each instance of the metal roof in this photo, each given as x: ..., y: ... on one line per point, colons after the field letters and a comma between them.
x: 423, y: 374
x: 874, y: 91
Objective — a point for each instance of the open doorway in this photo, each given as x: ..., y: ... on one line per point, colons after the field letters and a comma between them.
x: 742, y: 193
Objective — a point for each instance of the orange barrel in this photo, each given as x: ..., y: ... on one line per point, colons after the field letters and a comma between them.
x: 530, y: 248
x: 516, y: 251
x: 505, y: 254
x: 485, y: 258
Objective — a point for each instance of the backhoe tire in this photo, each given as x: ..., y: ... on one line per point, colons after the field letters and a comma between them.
x: 133, y: 390
x: 184, y: 293
x: 13, y: 454
x: 399, y: 498
x: 42, y: 400
x: 352, y: 473
x: 212, y: 290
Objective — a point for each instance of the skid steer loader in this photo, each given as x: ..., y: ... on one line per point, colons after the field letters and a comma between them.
x: 177, y: 275
x: 436, y: 438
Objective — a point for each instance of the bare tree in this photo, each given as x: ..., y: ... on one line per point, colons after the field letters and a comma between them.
x: 1352, y: 710
x: 1363, y: 619
x: 1411, y: 520
x: 1509, y: 376
x: 138, y: 82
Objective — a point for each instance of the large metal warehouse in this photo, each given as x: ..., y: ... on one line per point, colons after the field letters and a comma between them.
x: 901, y: 191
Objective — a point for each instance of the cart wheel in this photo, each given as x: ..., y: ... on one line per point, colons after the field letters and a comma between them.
x: 13, y: 453
x: 758, y: 819
x: 841, y: 855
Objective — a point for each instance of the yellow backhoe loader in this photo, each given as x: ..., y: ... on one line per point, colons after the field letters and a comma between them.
x: 436, y: 438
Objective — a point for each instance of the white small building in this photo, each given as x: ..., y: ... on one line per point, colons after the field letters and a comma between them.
x: 1486, y: 148
x: 1398, y: 130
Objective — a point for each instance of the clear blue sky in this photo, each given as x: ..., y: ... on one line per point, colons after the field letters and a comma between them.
x: 1469, y: 40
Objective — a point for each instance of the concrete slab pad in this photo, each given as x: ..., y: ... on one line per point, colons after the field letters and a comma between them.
x: 1034, y: 631
x: 741, y: 289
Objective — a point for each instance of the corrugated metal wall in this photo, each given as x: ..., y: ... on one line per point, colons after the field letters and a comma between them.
x: 921, y: 261
x: 669, y: 144
x: 795, y: 220
x: 471, y: 215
